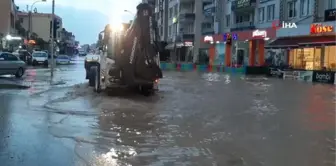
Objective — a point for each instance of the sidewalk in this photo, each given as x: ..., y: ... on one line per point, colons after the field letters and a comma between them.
x: 37, y: 80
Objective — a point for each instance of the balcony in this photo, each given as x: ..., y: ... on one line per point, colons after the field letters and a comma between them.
x: 208, y: 31
x: 187, y: 17
x: 187, y: 36
x: 209, y: 10
x: 243, y: 26
x: 186, y: 1
x: 243, y: 5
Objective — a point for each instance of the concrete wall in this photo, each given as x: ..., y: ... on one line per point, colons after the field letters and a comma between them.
x: 7, y: 12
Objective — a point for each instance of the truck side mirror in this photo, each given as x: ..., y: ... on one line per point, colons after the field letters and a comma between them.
x: 100, y: 48
x: 100, y: 37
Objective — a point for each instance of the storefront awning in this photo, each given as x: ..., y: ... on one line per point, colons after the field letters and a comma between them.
x: 295, y: 42
x: 178, y: 45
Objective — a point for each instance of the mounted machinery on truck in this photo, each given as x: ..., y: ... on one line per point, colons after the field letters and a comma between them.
x: 128, y: 58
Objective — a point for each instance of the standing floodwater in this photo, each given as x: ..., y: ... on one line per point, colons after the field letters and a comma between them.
x: 196, y: 119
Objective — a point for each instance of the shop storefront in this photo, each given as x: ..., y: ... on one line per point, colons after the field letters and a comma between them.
x: 241, y: 48
x: 309, y: 52
x: 183, y: 51
x: 215, y: 54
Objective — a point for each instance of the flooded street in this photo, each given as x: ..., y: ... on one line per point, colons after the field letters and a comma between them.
x: 196, y: 119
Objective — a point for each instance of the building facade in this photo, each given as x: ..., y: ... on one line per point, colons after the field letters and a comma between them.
x: 7, y: 17
x: 243, y: 27
x: 40, y: 24
x: 180, y: 25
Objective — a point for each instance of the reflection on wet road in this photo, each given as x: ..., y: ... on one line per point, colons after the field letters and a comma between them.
x: 196, y: 119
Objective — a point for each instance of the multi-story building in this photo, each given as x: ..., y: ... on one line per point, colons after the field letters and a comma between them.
x: 40, y: 24
x: 7, y: 17
x: 312, y: 44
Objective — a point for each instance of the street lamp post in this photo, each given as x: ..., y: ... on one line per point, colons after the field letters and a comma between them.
x: 30, y: 17
x: 52, y: 38
x: 175, y: 40
x: 127, y: 11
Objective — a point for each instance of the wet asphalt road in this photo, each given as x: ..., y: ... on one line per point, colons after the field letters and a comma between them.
x: 195, y: 119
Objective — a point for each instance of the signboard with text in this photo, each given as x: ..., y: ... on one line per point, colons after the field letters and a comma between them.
x: 330, y: 15
x: 324, y: 77
x: 320, y: 29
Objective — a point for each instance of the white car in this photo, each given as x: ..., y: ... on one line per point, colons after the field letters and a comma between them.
x: 40, y: 57
x: 63, y: 59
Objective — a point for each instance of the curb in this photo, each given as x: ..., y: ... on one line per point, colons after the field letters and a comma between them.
x: 200, y: 68
x: 13, y: 86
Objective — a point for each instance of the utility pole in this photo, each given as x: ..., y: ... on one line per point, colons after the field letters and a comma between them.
x: 52, y: 38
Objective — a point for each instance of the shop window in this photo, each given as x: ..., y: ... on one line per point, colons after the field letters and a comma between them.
x: 329, y: 61
x: 306, y: 58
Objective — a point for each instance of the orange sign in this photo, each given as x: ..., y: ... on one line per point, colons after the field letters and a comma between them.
x: 319, y: 28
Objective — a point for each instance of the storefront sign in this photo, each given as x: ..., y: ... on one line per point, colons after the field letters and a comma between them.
x: 208, y: 39
x: 330, y: 15
x: 188, y: 44
x: 243, y: 3
x: 258, y: 33
x: 319, y: 28
x: 276, y: 24
x: 324, y: 77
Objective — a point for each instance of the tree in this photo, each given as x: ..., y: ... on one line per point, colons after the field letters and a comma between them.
x: 21, y: 31
x: 41, y: 43
x: 34, y: 36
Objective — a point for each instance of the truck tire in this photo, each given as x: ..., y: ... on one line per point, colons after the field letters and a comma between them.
x: 91, y: 76
x: 96, y: 76
x: 87, y: 76
x: 146, y: 90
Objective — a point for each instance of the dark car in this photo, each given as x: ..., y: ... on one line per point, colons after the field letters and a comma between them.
x: 25, y: 56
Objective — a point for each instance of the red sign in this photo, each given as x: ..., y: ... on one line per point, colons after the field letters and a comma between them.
x: 319, y: 28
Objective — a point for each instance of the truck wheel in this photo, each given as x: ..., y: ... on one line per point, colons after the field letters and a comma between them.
x: 91, y: 77
x: 96, y: 76
x: 86, y: 74
x: 146, y: 90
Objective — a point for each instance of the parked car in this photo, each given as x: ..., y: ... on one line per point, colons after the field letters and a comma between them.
x: 63, y: 59
x: 40, y: 57
x: 11, y: 64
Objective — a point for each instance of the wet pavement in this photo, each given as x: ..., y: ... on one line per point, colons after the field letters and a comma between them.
x: 195, y: 119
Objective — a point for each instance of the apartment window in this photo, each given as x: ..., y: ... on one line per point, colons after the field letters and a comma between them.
x: 242, y: 18
x: 204, y: 26
x: 270, y: 12
x: 170, y: 12
x: 262, y: 14
x: 228, y: 20
x: 175, y: 10
x: 291, y: 9
x: 21, y: 20
x: 170, y: 30
x: 161, y: 30
x: 331, y: 4
x: 304, y: 7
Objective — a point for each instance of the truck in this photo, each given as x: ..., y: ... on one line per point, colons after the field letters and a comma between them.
x: 127, y: 57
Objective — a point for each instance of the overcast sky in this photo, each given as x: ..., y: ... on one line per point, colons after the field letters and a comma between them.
x: 86, y: 18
